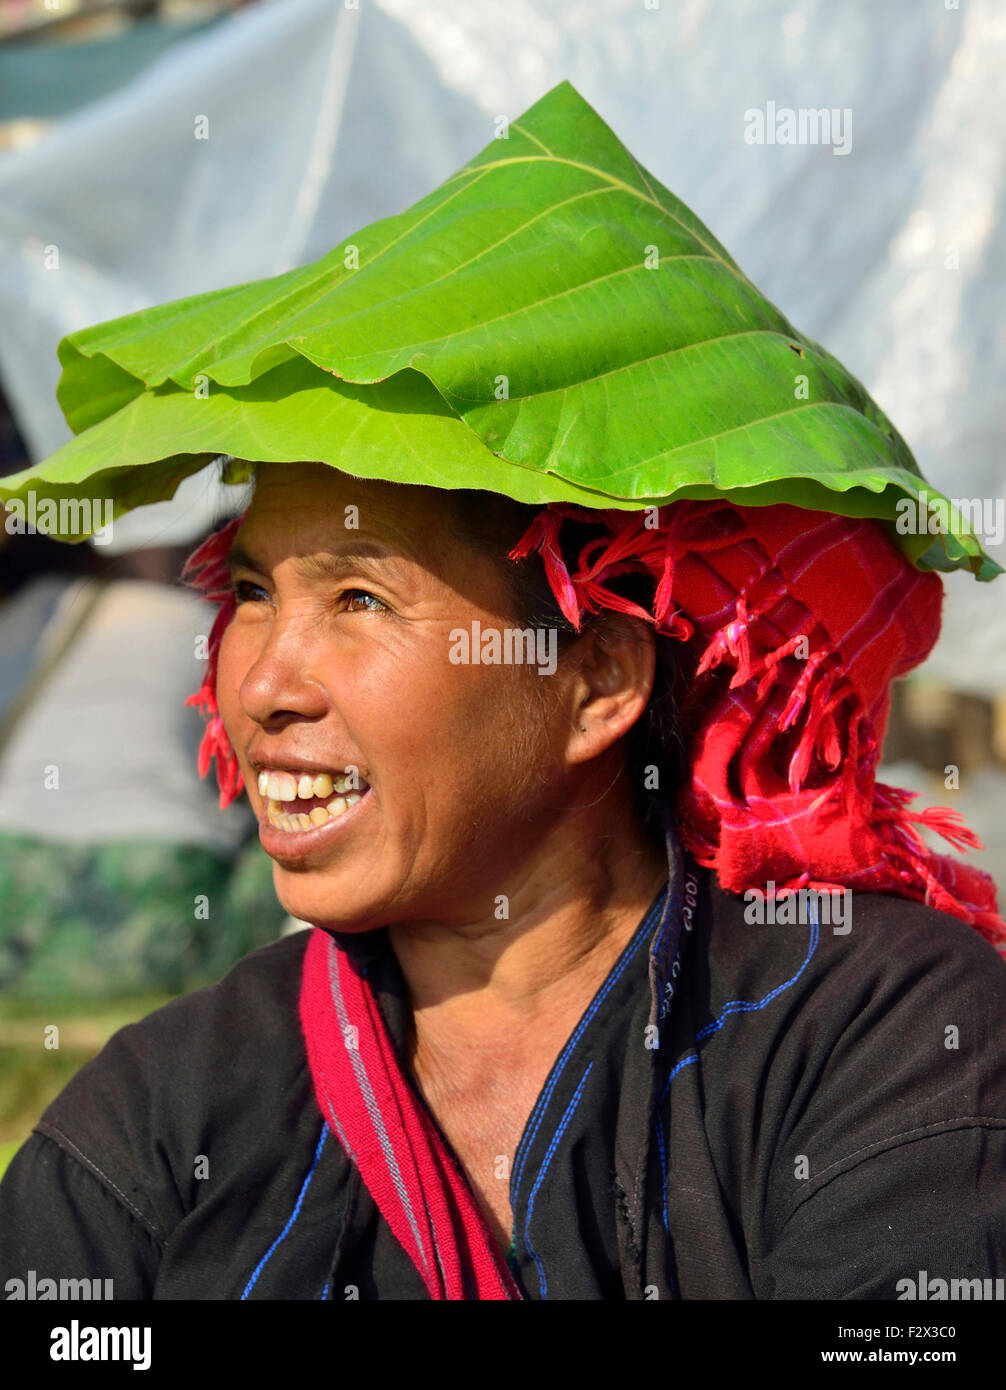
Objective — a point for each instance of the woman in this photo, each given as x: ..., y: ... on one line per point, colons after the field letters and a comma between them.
x: 626, y: 980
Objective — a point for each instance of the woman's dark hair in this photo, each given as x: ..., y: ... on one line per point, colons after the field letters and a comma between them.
x: 659, y: 738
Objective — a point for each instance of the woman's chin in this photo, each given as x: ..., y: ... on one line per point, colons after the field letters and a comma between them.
x: 338, y: 924
x: 320, y: 908
x: 331, y: 905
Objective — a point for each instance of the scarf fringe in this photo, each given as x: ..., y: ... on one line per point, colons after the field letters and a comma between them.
x: 210, y: 577
x: 815, y: 697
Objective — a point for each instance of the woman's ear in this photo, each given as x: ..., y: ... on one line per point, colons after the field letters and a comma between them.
x: 611, y: 688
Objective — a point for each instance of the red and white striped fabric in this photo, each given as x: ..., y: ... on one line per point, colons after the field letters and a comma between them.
x: 387, y: 1132
x: 812, y: 615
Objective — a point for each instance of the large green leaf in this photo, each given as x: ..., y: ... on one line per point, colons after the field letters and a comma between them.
x: 391, y: 430
x: 551, y: 322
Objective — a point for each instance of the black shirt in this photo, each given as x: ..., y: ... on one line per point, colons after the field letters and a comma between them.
x: 744, y: 1111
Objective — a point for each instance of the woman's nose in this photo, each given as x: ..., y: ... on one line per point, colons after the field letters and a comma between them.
x: 282, y: 682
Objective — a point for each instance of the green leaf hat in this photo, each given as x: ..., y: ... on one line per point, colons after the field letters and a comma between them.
x: 550, y: 323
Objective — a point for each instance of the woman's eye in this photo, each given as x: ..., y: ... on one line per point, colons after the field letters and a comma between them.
x: 351, y: 596
x: 240, y: 589
x: 245, y: 591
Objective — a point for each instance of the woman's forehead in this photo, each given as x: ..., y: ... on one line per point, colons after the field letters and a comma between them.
x: 313, y: 507
x: 313, y: 497
x: 308, y: 482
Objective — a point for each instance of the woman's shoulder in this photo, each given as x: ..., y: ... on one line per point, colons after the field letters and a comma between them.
x: 850, y: 946
x: 219, y: 1061
x: 204, y: 1100
x: 875, y: 1017
x: 874, y: 981
x: 247, y: 1012
x: 852, y: 1045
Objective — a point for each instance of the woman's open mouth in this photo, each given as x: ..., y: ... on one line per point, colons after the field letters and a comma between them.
x: 304, y: 810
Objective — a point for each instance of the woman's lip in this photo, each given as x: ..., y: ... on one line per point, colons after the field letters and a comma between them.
x: 297, y: 844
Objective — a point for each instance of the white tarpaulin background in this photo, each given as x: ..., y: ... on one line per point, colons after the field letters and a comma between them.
x: 323, y: 118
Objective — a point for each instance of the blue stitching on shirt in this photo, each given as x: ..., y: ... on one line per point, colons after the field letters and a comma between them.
x: 743, y: 1005
x: 659, y: 1126
x: 296, y: 1212
x: 642, y: 934
x: 734, y: 1006
x: 563, y: 1123
x: 538, y: 1114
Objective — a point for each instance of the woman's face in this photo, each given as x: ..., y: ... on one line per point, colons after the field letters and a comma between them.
x: 338, y: 657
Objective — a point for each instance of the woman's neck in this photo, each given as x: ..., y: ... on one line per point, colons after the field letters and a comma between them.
x: 572, y: 911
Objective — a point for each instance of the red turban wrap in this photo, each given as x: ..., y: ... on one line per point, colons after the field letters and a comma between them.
x: 813, y: 615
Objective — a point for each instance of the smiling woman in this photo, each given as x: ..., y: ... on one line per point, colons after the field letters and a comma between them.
x: 575, y: 1018
x: 317, y: 676
x: 480, y: 785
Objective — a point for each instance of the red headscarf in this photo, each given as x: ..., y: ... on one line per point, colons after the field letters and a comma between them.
x: 813, y: 615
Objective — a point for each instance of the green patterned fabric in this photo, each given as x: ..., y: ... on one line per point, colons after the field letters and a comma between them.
x: 88, y: 921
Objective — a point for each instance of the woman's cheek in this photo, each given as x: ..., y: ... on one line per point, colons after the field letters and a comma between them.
x: 233, y: 662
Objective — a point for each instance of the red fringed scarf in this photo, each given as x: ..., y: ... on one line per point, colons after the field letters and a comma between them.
x: 208, y: 568
x: 389, y: 1135
x: 812, y: 615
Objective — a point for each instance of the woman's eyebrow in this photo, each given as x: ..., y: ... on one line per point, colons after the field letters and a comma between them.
x: 356, y: 557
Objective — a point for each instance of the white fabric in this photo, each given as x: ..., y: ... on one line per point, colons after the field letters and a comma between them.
x: 321, y: 119
x: 112, y: 723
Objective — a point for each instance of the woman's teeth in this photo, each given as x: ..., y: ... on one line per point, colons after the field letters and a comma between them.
x: 319, y: 815
x: 282, y: 787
